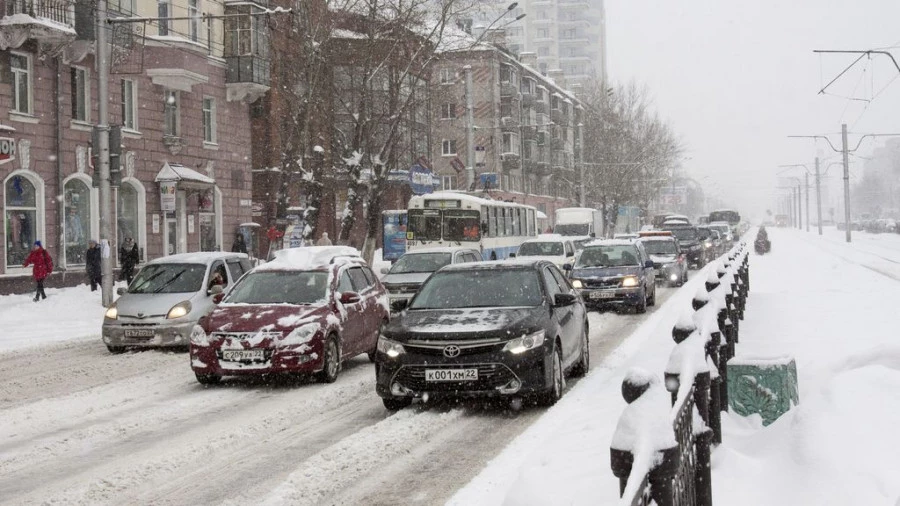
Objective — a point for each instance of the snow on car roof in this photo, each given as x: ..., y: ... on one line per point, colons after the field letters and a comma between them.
x: 310, y: 258
x: 610, y: 242
x: 511, y: 262
x: 646, y: 238
x: 199, y: 257
x: 548, y: 238
x: 440, y: 249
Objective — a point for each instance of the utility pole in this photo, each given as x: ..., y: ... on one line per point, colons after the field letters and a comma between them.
x: 799, y: 206
x: 581, y: 197
x: 846, y: 154
x: 470, y: 128
x: 106, y: 284
x: 806, y: 181
x: 818, y: 196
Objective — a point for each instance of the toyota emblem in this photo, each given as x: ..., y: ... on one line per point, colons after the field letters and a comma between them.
x: 451, y: 351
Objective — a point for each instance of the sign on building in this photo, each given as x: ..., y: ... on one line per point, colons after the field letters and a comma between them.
x: 7, y: 149
x: 167, y: 195
x: 420, y: 180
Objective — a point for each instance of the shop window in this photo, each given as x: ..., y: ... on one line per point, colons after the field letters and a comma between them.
x: 127, y: 213
x: 21, y: 219
x: 77, y: 201
x: 207, y: 208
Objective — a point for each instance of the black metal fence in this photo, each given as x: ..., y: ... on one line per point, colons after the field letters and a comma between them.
x: 696, y: 376
x: 61, y: 11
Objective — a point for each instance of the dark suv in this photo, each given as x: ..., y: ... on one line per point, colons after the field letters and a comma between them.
x: 485, y: 329
x: 615, y: 272
x: 689, y: 239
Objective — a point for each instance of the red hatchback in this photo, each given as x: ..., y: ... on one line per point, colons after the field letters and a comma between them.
x: 304, y: 312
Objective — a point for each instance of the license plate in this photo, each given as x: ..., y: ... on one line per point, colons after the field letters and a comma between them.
x: 238, y: 355
x: 139, y: 333
x: 603, y: 295
x: 451, y: 374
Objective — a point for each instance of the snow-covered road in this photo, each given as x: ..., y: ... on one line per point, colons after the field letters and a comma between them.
x: 81, y: 426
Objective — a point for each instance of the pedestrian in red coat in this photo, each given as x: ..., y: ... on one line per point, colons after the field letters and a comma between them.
x: 43, y: 266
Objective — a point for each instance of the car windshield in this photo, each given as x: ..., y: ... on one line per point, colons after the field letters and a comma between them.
x: 420, y: 262
x: 608, y: 256
x: 280, y: 287
x: 169, y: 278
x: 541, y: 249
x: 685, y: 234
x: 479, y: 288
x: 660, y: 247
x: 579, y: 244
x: 572, y: 229
x: 722, y: 229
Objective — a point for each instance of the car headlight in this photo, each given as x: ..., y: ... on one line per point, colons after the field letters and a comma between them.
x: 179, y: 310
x: 630, y: 281
x: 390, y: 348
x: 576, y: 283
x: 198, y: 336
x: 706, y: 245
x: 525, y: 343
x: 112, y: 313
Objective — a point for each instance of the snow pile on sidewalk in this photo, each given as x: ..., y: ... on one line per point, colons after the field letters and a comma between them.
x: 66, y: 314
x: 835, y: 317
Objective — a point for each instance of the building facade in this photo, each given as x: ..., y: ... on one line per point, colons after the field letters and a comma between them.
x: 525, y: 129
x: 180, y: 91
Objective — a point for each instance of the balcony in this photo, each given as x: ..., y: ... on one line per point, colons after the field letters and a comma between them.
x: 509, y: 123
x: 246, y: 78
x: 510, y: 161
x: 575, y: 4
x: 508, y: 89
x: 46, y: 21
x: 527, y: 98
x: 559, y: 117
x: 542, y: 168
x: 581, y: 41
x: 539, y: 106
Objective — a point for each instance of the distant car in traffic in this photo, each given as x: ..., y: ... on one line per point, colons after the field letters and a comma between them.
x: 555, y: 248
x: 403, y: 279
x: 306, y: 312
x: 668, y: 260
x: 689, y: 239
x: 503, y: 330
x: 615, y: 272
x: 167, y: 297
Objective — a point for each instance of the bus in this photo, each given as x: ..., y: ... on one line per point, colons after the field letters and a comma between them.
x: 456, y: 219
x: 732, y: 217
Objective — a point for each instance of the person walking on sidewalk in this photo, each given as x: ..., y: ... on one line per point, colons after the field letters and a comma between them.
x: 92, y: 264
x: 129, y: 256
x: 324, y: 240
x: 43, y: 266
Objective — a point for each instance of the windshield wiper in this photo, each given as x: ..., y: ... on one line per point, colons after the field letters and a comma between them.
x: 169, y: 282
x: 147, y: 281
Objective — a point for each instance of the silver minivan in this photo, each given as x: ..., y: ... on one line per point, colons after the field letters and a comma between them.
x: 167, y: 297
x: 403, y: 279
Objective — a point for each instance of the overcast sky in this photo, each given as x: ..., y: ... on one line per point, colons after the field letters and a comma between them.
x: 735, y: 78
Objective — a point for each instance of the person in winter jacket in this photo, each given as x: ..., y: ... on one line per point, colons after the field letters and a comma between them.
x: 92, y: 264
x: 239, y: 246
x: 324, y: 240
x: 129, y: 256
x: 43, y: 266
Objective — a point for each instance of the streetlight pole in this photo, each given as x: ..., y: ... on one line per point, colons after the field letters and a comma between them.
x: 818, y: 196
x: 806, y: 184
x: 470, y: 129
x: 846, y: 155
x: 799, y: 204
x: 106, y: 283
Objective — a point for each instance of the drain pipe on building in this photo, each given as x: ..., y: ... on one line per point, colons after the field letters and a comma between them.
x: 60, y: 190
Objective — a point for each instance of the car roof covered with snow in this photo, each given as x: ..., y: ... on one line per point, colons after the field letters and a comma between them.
x: 548, y: 238
x: 610, y: 242
x: 200, y: 257
x: 309, y: 258
x: 512, y: 263
x: 440, y: 249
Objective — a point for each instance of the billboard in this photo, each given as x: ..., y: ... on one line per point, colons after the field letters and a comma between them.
x: 393, y: 234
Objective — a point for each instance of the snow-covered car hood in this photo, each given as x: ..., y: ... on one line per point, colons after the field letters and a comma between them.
x: 463, y: 323
x: 253, y: 317
x: 558, y: 260
x: 148, y: 305
x: 411, y: 278
x: 605, y: 272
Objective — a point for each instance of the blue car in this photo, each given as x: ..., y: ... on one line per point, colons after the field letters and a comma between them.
x: 615, y: 273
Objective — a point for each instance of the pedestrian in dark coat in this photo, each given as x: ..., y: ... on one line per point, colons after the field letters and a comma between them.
x: 92, y: 264
x: 129, y: 256
x: 239, y: 246
x: 43, y: 266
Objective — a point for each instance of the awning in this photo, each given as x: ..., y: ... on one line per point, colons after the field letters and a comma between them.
x: 539, y: 215
x: 184, y: 176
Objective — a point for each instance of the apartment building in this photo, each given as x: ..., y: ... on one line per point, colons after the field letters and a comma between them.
x: 525, y: 128
x: 180, y: 90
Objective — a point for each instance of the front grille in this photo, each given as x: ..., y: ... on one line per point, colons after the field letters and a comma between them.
x: 408, y: 288
x: 464, y: 350
x: 490, y: 377
x: 602, y: 283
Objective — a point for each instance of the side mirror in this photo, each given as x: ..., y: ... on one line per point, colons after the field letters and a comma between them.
x: 570, y: 254
x: 385, y: 270
x: 593, y: 234
x: 349, y: 298
x: 564, y: 299
x: 215, y: 290
x: 648, y: 264
x: 567, y: 267
x: 398, y: 305
x: 121, y: 290
x: 512, y: 255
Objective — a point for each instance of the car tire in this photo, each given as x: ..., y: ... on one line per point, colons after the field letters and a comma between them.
x: 208, y: 379
x: 641, y: 306
x: 555, y: 392
x: 397, y: 403
x: 583, y: 365
x: 115, y: 350
x: 331, y: 363
x: 652, y: 301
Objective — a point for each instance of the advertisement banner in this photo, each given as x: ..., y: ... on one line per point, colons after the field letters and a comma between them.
x: 393, y: 234
x: 167, y: 195
x: 420, y: 180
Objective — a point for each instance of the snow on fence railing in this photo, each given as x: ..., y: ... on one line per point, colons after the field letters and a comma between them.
x: 661, y: 453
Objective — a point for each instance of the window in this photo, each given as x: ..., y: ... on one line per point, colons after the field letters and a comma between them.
x: 447, y: 182
x: 345, y: 285
x: 194, y: 14
x: 209, y: 120
x: 171, y: 113
x: 164, y: 11
x: 448, y: 147
x: 129, y: 104
x: 510, y: 142
x: 245, y: 35
x: 81, y: 94
x: 569, y: 33
x: 77, y: 199
x: 21, y: 219
x: 447, y: 76
x: 544, y: 51
x: 551, y: 284
x: 121, y: 6
x: 360, y: 283
x: 448, y: 111
x: 543, y: 33
x: 20, y: 66
x: 127, y: 213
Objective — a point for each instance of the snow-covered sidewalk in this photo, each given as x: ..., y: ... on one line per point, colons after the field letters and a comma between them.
x: 812, y: 298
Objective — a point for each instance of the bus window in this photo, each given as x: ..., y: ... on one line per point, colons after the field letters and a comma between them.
x: 531, y: 225
x: 495, y: 231
x: 424, y: 224
x: 461, y: 225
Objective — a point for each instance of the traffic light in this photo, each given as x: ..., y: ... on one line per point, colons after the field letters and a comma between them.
x: 94, y: 157
x: 115, y: 156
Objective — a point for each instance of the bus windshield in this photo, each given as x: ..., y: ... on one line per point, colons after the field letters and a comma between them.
x: 731, y: 217
x: 457, y: 225
x: 424, y: 224
x: 572, y: 229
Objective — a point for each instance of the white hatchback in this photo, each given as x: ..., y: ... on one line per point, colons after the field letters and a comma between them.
x: 554, y: 248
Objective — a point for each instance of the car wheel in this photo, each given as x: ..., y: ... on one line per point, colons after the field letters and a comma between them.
x: 115, y: 350
x: 584, y: 363
x: 397, y: 403
x: 331, y: 364
x: 641, y: 306
x: 652, y: 301
x: 208, y: 379
x: 556, y: 388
